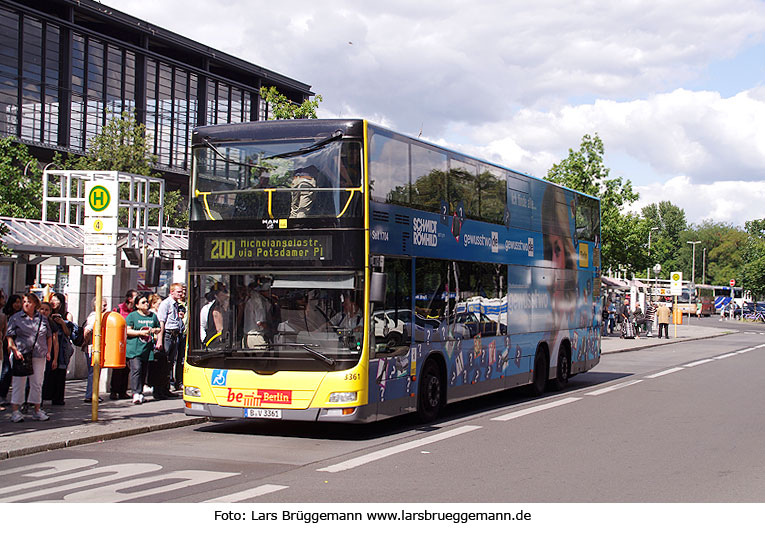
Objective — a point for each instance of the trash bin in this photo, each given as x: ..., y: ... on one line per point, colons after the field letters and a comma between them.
x: 677, y: 316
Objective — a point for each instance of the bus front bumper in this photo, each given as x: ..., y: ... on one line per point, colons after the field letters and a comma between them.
x: 360, y: 414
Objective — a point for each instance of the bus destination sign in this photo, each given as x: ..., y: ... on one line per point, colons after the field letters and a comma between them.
x: 305, y: 248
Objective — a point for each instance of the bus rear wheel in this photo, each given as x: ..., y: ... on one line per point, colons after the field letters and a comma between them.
x: 429, y: 398
x: 539, y: 381
x: 563, y: 372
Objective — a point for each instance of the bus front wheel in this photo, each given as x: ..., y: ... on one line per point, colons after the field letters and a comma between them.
x: 429, y: 399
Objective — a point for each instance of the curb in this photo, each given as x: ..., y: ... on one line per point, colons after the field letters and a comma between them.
x: 62, y: 444
x: 668, y: 342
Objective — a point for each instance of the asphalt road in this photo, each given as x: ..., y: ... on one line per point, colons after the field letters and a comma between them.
x: 681, y: 423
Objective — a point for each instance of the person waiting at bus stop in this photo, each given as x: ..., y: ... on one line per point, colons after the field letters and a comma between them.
x: 168, y: 341
x: 650, y: 314
x: 662, y: 317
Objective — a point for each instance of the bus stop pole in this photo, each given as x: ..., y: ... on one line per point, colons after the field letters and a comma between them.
x: 674, y: 313
x: 96, y: 360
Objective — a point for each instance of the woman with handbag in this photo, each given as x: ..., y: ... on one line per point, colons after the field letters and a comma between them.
x: 29, y: 342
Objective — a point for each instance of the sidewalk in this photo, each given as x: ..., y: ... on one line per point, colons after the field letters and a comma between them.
x: 612, y: 344
x: 71, y: 424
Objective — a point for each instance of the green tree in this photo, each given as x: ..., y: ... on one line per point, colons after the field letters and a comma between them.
x: 123, y: 145
x: 668, y: 243
x: 583, y: 171
x: 20, y: 185
x: 753, y: 269
x: 20, y: 181
x: 724, y: 246
x: 280, y: 107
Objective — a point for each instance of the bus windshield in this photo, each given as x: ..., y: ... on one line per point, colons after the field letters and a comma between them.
x: 260, y: 179
x: 291, y: 317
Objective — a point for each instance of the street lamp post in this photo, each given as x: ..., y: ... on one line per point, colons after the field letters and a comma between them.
x: 649, y: 256
x: 693, y: 272
x: 704, y: 267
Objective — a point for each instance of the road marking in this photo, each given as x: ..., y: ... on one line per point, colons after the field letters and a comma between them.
x: 613, y: 388
x: 163, y: 483
x: 535, y: 409
x: 47, y: 469
x: 84, y: 478
x: 265, y: 489
x: 723, y: 356
x: 666, y: 372
x: 384, y: 453
x: 698, y: 362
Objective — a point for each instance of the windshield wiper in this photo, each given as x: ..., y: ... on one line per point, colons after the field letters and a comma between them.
x: 315, y: 353
x: 209, y: 355
x: 310, y: 148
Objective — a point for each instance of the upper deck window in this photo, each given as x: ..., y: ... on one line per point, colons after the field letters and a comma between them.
x: 295, y: 178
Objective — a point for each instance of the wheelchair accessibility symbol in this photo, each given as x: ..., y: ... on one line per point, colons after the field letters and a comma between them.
x: 218, y: 377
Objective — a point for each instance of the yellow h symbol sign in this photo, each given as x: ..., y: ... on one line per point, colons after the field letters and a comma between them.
x: 99, y: 198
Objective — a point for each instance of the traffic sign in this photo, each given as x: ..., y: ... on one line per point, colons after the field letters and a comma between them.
x: 48, y: 274
x: 100, y: 248
x: 732, y: 283
x: 100, y: 259
x: 101, y: 225
x: 104, y: 270
x: 676, y: 283
x: 100, y: 239
x: 102, y: 198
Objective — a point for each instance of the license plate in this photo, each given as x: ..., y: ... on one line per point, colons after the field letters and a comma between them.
x: 261, y: 413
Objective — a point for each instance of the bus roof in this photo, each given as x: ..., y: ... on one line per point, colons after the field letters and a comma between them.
x: 319, y: 129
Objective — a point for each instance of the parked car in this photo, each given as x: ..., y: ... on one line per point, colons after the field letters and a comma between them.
x: 390, y: 326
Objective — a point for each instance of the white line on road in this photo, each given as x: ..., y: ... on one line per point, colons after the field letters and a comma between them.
x: 665, y: 372
x: 613, y: 388
x: 698, y: 362
x: 249, y: 494
x: 535, y: 409
x: 384, y: 453
x: 723, y: 356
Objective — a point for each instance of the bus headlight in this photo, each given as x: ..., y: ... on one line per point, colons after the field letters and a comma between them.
x: 191, y: 391
x: 345, y: 396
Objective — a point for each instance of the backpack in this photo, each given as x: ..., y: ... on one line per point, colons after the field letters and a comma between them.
x: 77, y: 336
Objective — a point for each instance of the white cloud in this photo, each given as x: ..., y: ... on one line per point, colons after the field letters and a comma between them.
x: 734, y: 202
x: 521, y: 82
x: 697, y: 134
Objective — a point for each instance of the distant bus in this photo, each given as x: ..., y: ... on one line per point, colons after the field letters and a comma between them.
x: 705, y: 299
x: 339, y: 271
x: 720, y: 296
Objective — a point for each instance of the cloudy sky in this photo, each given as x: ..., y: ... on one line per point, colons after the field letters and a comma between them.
x: 676, y: 89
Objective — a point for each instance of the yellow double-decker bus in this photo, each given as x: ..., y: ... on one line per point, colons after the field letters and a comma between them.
x: 339, y: 271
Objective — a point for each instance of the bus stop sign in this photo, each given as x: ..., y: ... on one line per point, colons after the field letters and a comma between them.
x: 676, y: 283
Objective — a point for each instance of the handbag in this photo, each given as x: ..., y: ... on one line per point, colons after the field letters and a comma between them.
x: 23, y: 367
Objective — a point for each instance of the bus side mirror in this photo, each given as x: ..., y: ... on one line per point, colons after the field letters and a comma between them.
x: 377, y: 287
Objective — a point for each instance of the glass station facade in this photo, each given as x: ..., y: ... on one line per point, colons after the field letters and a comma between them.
x: 67, y: 67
